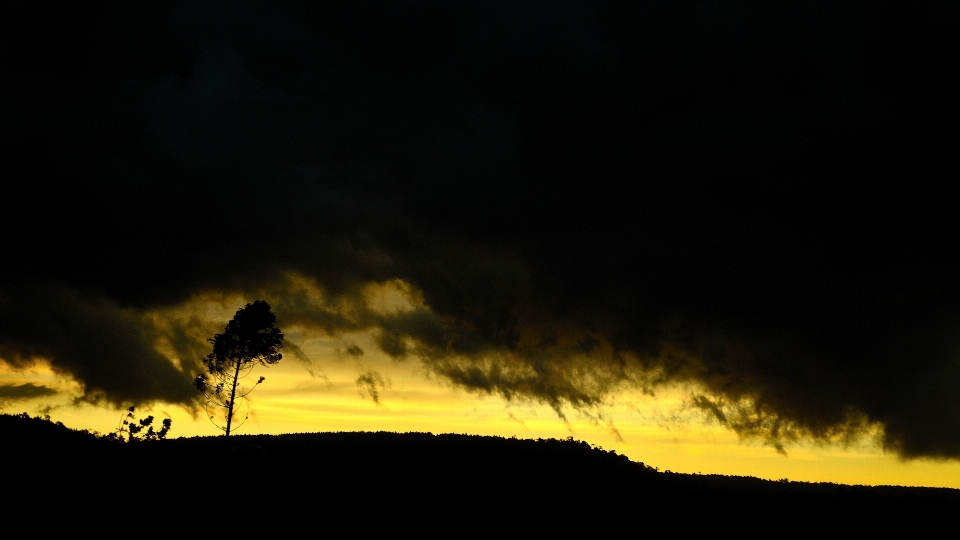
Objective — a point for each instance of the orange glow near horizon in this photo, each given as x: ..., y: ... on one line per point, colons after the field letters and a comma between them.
x: 641, y: 427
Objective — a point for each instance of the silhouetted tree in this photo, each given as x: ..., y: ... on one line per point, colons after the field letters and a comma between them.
x: 132, y: 430
x: 250, y: 338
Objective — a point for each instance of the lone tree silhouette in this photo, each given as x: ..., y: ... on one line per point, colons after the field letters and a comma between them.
x: 250, y: 338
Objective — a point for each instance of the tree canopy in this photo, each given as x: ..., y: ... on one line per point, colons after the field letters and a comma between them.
x: 250, y: 338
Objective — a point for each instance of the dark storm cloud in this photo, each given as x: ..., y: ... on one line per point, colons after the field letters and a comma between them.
x: 108, y: 350
x: 18, y: 392
x: 584, y: 196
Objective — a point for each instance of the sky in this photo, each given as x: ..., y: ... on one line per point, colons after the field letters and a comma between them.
x: 715, y: 236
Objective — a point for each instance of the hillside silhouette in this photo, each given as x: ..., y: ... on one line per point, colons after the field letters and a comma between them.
x: 415, y: 471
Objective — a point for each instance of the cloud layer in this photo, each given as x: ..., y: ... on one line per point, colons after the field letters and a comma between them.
x: 572, y: 198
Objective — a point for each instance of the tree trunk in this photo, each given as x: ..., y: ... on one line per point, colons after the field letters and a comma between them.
x: 233, y: 395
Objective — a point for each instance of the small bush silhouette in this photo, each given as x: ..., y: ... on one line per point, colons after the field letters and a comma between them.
x: 132, y: 430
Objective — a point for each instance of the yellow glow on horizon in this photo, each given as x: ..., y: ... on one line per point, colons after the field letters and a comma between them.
x: 641, y: 427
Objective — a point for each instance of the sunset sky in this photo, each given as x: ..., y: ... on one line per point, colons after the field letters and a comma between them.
x: 714, y: 236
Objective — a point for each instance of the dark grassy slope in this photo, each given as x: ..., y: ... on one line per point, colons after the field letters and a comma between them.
x: 415, y: 471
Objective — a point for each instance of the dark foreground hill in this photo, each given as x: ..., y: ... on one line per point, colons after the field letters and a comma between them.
x: 400, y: 474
